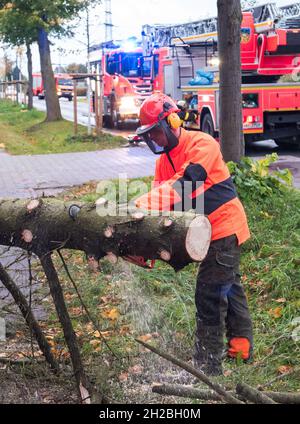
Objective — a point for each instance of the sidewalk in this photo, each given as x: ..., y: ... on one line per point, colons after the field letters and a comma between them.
x: 29, y: 176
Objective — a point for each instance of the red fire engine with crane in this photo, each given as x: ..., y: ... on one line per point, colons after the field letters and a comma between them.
x: 270, y: 48
x: 126, y: 80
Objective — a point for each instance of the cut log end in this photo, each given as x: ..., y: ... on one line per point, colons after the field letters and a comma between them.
x: 167, y: 222
x: 101, y: 202
x: 27, y: 236
x: 138, y: 216
x: 32, y: 205
x: 109, y: 231
x: 165, y: 255
x: 198, y: 238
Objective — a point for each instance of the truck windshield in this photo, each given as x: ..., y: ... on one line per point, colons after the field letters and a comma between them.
x: 127, y: 64
x: 131, y: 64
x: 62, y: 81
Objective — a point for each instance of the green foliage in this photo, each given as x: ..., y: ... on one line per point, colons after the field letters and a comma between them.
x: 76, y: 68
x: 24, y: 132
x: 21, y: 20
x: 254, y: 179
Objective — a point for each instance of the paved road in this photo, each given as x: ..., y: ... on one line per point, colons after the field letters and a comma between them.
x: 27, y: 176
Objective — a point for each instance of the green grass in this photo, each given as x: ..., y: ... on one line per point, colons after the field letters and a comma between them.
x: 162, y: 301
x: 24, y: 132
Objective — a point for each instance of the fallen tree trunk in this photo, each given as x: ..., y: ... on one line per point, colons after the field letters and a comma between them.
x: 41, y: 226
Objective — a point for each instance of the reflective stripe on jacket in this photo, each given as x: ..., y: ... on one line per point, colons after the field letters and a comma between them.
x: 196, y: 176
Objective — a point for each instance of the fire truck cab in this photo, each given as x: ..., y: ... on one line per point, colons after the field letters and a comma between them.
x: 64, y: 86
x: 127, y: 82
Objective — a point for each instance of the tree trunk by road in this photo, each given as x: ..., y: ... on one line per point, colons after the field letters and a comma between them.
x: 229, y: 46
x: 30, y: 79
x: 52, y: 101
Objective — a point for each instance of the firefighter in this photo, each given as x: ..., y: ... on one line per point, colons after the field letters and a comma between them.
x: 193, y: 159
x: 188, y: 118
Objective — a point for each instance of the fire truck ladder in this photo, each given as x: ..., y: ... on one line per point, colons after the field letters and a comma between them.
x: 162, y: 35
x: 185, y: 62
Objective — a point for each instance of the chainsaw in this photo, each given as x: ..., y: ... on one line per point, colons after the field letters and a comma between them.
x: 140, y: 261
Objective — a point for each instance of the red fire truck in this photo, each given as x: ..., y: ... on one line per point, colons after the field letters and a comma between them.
x: 64, y: 86
x: 270, y: 48
x: 126, y: 79
x: 127, y: 82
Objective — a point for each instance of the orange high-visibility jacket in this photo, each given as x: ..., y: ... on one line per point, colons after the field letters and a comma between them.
x: 195, y: 169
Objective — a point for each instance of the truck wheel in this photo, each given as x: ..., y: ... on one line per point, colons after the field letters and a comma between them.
x: 288, y: 144
x: 107, y: 122
x: 208, y: 125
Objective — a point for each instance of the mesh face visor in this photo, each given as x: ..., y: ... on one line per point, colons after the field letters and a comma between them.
x: 159, y: 138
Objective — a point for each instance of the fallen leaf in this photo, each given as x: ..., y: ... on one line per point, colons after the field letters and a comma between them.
x: 125, y: 329
x: 276, y: 313
x: 2, y: 146
x: 76, y: 311
x: 95, y: 343
x: 145, y: 338
x: 89, y: 328
x: 112, y: 314
x: 101, y: 334
x: 284, y: 369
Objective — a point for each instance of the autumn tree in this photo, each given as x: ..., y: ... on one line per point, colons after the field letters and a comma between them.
x: 42, y: 19
x: 229, y: 46
x: 76, y: 68
x: 16, y: 32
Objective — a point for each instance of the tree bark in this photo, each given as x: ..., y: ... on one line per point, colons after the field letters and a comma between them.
x: 229, y: 46
x: 192, y: 393
x: 30, y: 78
x: 32, y: 323
x: 52, y: 101
x: 253, y: 395
x: 47, y: 224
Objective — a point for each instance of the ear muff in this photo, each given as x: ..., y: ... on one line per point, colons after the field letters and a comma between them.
x: 174, y: 121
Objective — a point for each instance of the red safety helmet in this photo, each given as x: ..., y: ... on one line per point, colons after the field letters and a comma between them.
x: 154, y: 109
x: 156, y: 116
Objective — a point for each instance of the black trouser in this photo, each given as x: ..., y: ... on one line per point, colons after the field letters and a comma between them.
x: 220, y: 299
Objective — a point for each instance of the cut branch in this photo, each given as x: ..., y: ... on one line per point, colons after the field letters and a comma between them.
x: 83, y: 384
x: 200, y: 375
x: 252, y: 394
x: 193, y: 393
x: 32, y: 323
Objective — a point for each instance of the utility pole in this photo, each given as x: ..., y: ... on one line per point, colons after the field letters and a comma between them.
x: 89, y: 70
x: 108, y: 21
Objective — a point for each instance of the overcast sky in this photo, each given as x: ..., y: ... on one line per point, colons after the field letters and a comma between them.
x: 128, y: 16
